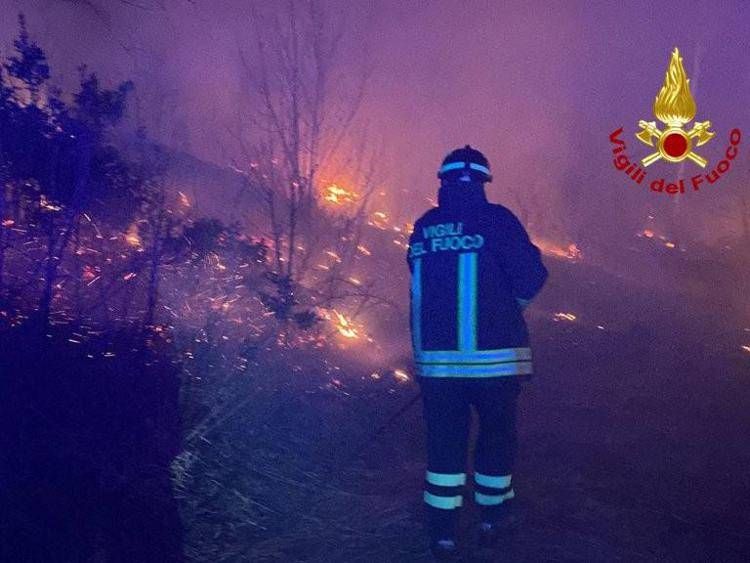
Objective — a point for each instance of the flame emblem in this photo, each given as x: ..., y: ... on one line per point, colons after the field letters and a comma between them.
x: 674, y: 106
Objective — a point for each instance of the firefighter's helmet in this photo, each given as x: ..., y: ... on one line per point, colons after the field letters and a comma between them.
x: 466, y: 164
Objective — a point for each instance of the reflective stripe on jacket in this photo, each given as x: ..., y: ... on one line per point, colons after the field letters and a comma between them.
x: 473, y: 269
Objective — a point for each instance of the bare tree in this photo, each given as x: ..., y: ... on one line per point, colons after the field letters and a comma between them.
x: 296, y: 120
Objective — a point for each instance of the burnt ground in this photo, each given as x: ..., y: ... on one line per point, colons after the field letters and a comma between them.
x: 635, y: 444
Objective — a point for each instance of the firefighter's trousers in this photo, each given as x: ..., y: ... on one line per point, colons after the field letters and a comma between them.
x: 447, y: 412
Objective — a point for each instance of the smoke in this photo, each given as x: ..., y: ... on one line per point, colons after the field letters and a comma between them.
x: 537, y: 90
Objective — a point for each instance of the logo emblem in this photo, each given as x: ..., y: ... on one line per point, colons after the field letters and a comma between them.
x: 674, y: 106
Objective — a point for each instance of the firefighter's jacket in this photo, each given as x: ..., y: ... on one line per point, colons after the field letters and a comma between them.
x: 473, y: 270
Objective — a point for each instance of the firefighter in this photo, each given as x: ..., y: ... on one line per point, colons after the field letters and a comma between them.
x: 473, y: 271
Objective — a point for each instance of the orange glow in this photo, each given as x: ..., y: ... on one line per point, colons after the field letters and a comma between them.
x: 564, y: 317
x: 337, y: 195
x: 131, y: 236
x: 344, y: 326
x: 570, y: 252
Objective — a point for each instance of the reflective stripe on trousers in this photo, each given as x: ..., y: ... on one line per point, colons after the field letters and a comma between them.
x: 492, y: 490
x: 443, y: 490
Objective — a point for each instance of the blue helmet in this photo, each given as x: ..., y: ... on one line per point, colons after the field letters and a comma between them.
x: 466, y: 164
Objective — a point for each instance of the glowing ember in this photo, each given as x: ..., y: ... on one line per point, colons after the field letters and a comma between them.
x: 8, y: 223
x: 45, y: 204
x: 570, y: 252
x: 354, y: 280
x: 338, y: 196
x: 131, y: 236
x: 333, y: 255
x: 88, y: 273
x: 564, y: 317
x: 184, y: 200
x: 363, y: 249
x: 401, y: 375
x: 746, y: 349
x: 379, y: 220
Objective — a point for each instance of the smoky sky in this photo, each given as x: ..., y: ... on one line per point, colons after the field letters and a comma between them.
x: 537, y: 86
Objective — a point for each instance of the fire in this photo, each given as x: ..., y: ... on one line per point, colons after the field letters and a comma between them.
x: 564, y: 317
x: 344, y: 326
x: 339, y: 196
x: 649, y: 234
x: 131, y: 236
x: 570, y: 252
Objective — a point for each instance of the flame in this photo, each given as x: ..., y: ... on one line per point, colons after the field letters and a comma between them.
x: 339, y: 196
x: 569, y: 252
x: 344, y: 326
x: 131, y: 236
x: 675, y: 105
x: 564, y: 317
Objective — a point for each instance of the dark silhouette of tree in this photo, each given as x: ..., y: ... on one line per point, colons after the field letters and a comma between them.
x: 57, y: 160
